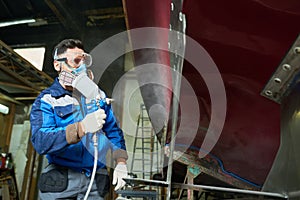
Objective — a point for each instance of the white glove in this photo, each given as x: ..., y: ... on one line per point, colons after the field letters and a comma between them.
x: 120, y: 172
x: 167, y: 151
x: 94, y: 121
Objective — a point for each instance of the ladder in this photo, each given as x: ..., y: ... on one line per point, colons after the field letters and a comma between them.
x: 146, y: 147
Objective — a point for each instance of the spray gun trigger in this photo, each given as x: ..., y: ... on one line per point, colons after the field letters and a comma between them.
x: 109, y: 101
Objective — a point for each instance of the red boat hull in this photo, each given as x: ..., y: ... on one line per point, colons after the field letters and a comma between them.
x: 246, y: 40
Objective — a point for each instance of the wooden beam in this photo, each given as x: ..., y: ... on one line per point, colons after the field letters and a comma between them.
x: 19, y: 86
x: 69, y: 17
x: 29, y: 173
x: 17, y: 76
x: 10, y: 99
x: 104, y: 11
x: 57, y: 13
x: 10, y: 122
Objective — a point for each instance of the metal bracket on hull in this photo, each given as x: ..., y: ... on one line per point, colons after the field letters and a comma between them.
x: 286, y: 75
x: 284, y: 176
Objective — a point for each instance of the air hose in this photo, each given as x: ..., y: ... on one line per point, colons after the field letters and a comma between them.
x: 100, y: 102
x: 95, y: 140
x: 81, y: 82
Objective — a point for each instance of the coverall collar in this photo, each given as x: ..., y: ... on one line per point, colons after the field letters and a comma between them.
x: 57, y: 90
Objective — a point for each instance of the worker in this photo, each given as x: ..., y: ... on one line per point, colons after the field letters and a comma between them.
x: 63, y: 123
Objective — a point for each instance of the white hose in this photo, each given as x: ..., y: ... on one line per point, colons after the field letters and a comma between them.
x: 95, y: 140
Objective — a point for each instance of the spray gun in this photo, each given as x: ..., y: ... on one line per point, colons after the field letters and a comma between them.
x: 86, y: 86
x: 90, y: 90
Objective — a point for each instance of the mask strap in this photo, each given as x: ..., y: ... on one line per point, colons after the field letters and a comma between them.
x: 55, y: 57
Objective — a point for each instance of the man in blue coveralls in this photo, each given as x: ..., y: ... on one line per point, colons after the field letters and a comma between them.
x: 63, y: 123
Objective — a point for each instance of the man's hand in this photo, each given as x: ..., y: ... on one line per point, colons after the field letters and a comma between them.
x: 93, y: 121
x: 120, y: 172
x: 167, y: 150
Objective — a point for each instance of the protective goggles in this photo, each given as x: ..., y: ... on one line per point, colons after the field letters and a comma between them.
x: 77, y: 59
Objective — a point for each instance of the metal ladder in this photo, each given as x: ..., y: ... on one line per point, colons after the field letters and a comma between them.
x: 145, y: 148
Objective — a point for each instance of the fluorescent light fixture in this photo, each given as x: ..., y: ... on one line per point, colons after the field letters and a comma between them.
x: 4, y: 109
x: 15, y: 22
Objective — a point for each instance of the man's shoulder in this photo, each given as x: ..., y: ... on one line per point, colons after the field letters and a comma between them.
x: 42, y: 93
x: 55, y: 90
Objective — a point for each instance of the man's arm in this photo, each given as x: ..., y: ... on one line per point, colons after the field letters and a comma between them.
x: 46, y: 136
x: 115, y: 136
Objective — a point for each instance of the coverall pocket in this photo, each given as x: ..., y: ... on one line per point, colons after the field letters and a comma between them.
x: 103, y: 184
x: 53, y: 180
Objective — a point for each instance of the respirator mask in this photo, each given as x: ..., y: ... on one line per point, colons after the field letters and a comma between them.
x: 77, y: 63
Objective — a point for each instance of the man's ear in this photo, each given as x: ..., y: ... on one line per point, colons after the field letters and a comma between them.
x: 57, y: 65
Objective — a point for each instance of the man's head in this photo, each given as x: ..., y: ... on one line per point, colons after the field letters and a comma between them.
x: 62, y: 47
x: 70, y: 60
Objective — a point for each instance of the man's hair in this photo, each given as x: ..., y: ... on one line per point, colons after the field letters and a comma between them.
x: 62, y: 47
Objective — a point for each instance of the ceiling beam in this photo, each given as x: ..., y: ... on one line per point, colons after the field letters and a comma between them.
x: 19, y: 86
x: 6, y: 8
x: 18, y: 77
x: 104, y: 11
x: 10, y: 99
x: 69, y: 17
x: 57, y: 13
x: 19, y: 68
x: 25, y: 98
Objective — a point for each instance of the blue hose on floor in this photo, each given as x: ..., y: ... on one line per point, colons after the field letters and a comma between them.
x: 222, y: 166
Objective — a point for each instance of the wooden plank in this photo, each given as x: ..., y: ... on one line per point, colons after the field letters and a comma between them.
x: 10, y: 123
x: 29, y: 172
x: 5, y: 191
